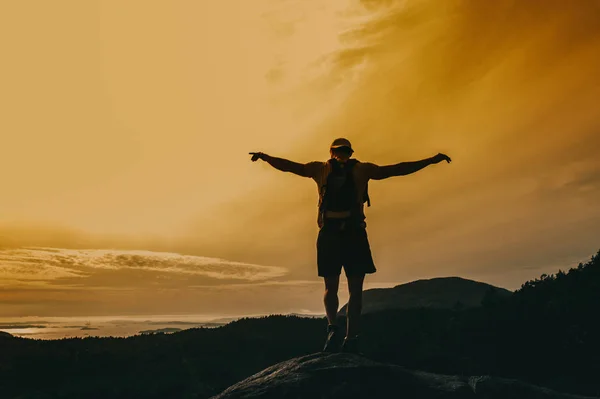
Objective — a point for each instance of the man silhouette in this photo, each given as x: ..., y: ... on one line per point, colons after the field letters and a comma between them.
x: 342, y: 240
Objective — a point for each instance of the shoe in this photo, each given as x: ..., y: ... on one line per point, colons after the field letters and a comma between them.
x: 332, y: 344
x: 350, y: 345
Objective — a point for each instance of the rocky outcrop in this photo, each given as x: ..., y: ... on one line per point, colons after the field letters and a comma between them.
x: 346, y: 376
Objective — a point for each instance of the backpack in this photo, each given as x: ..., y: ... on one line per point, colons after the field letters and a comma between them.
x: 340, y: 189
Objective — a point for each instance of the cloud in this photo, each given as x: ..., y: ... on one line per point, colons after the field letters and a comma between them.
x: 76, y: 266
x: 16, y: 326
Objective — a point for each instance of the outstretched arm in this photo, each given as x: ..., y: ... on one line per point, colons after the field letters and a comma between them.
x: 284, y: 165
x: 405, y: 168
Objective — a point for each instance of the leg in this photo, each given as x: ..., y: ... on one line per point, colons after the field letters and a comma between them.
x: 358, y: 262
x: 331, y: 298
x: 355, y: 286
x: 329, y: 264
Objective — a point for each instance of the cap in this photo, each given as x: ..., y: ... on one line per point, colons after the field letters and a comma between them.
x: 341, y: 142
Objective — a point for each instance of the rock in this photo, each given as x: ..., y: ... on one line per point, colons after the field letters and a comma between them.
x: 346, y: 376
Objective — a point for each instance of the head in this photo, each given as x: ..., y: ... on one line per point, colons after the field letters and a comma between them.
x: 341, y: 149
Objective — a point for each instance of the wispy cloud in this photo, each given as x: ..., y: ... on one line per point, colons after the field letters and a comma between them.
x: 515, y: 106
x: 52, y: 264
x: 13, y: 326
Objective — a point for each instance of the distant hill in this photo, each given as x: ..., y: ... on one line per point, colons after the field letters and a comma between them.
x: 310, y: 316
x: 168, y: 330
x: 5, y: 335
x: 436, y: 293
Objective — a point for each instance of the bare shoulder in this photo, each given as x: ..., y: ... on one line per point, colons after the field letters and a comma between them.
x: 367, y: 169
x: 315, y: 169
x: 316, y: 165
x: 366, y: 166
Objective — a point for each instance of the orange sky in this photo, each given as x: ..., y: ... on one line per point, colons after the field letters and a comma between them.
x: 126, y: 126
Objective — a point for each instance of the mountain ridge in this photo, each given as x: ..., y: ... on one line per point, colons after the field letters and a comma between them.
x: 438, y: 292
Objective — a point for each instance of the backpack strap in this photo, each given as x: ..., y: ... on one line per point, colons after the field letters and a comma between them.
x: 366, y: 197
x: 323, y: 189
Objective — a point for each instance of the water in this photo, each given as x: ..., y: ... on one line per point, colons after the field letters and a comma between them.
x: 103, y: 326
x: 114, y: 326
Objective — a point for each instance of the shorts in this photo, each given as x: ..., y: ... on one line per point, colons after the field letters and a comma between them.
x: 342, y: 244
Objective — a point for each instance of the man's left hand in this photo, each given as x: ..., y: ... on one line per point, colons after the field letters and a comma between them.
x: 256, y: 156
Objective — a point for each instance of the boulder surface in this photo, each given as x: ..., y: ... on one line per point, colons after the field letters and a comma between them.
x: 345, y: 376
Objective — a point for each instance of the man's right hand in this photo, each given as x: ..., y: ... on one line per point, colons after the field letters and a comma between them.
x: 440, y: 157
x: 256, y: 156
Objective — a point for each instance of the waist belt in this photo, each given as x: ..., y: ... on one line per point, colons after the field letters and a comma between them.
x: 342, y: 220
x: 337, y: 215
